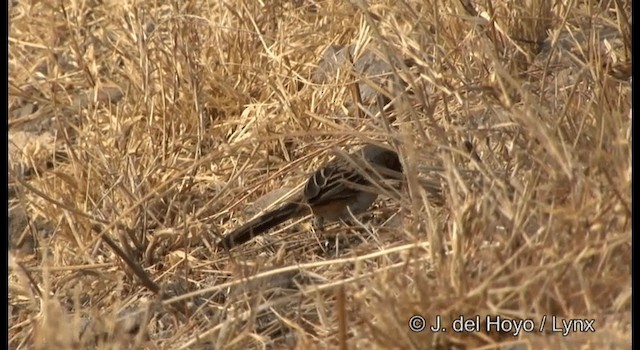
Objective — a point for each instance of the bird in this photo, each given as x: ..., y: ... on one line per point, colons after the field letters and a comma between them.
x: 338, y: 190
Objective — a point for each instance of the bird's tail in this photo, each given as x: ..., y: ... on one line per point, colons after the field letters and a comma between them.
x: 261, y: 224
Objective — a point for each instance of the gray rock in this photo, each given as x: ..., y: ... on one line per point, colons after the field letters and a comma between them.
x: 369, y: 64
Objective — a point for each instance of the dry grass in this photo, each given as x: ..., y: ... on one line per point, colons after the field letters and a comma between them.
x: 168, y: 120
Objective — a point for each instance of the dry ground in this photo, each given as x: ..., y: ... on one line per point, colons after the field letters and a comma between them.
x: 141, y: 131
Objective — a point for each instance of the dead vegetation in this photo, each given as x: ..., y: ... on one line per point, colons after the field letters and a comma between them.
x: 141, y: 132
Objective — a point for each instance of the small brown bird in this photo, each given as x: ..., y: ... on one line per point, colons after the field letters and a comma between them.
x: 340, y: 189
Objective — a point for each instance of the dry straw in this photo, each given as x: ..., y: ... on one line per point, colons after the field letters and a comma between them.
x: 140, y: 132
